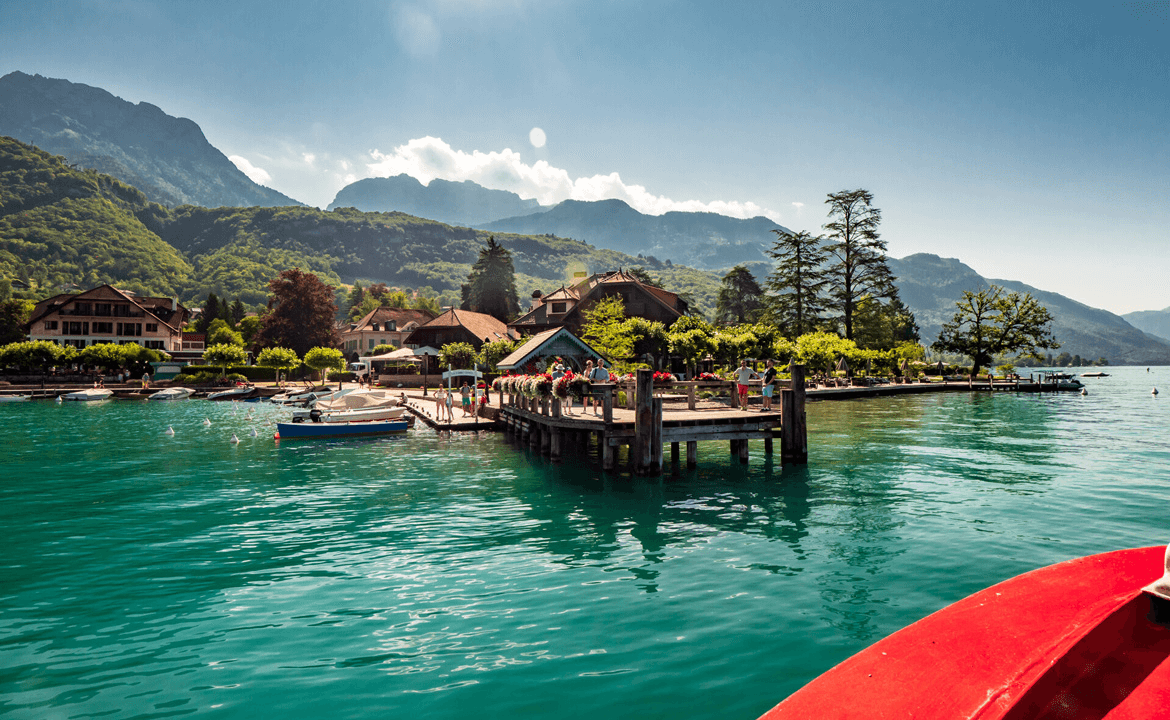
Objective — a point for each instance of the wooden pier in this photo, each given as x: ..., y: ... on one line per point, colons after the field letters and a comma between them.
x: 645, y: 426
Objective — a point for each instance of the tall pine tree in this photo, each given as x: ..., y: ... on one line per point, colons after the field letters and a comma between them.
x: 859, y: 255
x: 740, y: 298
x: 491, y: 286
x: 797, y: 284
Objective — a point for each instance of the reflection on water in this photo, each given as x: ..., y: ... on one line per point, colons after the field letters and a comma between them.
x: 148, y: 575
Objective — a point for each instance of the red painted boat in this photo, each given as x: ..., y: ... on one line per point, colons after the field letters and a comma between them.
x: 1086, y: 638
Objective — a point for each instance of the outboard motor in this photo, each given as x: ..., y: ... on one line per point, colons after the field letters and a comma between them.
x: 315, y: 415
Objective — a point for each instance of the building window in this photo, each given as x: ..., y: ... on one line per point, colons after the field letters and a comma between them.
x: 50, y: 324
x: 151, y: 327
x: 372, y: 341
x: 392, y: 325
x: 129, y: 329
x: 103, y: 309
x: 374, y: 326
x: 558, y: 307
x: 155, y: 344
x: 75, y: 328
x: 82, y: 308
x: 103, y: 328
x: 121, y: 311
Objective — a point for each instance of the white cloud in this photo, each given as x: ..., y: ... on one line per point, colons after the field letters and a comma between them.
x: 798, y: 205
x: 310, y: 158
x: 416, y: 31
x: 255, y: 174
x: 428, y: 158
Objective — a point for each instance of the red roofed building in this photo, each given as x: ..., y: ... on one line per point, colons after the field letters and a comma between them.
x: 564, y: 307
x: 460, y: 326
x: 383, y: 326
x: 106, y: 314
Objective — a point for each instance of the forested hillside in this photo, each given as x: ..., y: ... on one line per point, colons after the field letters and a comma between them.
x: 62, y: 225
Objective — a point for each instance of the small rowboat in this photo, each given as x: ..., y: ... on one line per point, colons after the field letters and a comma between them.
x: 235, y: 393
x: 1086, y: 638
x: 285, y: 431
x: 15, y: 398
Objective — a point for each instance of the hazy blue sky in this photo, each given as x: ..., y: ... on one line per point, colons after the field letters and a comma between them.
x: 1031, y: 140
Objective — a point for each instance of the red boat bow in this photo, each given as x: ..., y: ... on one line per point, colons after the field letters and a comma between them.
x: 1079, y: 639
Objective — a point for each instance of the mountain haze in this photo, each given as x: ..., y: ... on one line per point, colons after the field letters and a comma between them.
x: 702, y: 240
x: 931, y: 285
x: 455, y: 203
x: 1154, y: 322
x: 167, y: 158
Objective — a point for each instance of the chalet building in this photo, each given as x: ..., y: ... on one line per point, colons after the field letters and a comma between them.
x: 106, y: 314
x: 460, y: 326
x: 383, y: 326
x: 564, y: 307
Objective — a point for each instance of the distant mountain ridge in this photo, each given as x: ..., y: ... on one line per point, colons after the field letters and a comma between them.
x: 166, y: 157
x: 1154, y: 322
x: 454, y: 203
x: 703, y: 240
x: 931, y: 285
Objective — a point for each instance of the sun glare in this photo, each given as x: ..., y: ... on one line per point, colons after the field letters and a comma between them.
x: 536, y: 137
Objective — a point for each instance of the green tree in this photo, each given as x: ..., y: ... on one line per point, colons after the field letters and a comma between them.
x: 881, y: 326
x: 249, y: 326
x: 222, y: 334
x: 994, y: 322
x: 300, y: 313
x: 740, y: 299
x: 36, y: 355
x: 382, y: 349
x: 691, y: 339
x: 278, y: 357
x: 325, y: 358
x: 822, y: 350
x: 396, y: 299
x: 859, y: 265
x: 491, y: 286
x: 108, y: 356
x: 427, y: 302
x: 14, y: 314
x: 493, y: 352
x: 650, y: 340
x: 236, y: 312
x: 356, y: 297
x: 459, y: 356
x: 604, y: 329
x: 224, y: 356
x: 211, y: 313
x: 797, y: 284
x: 644, y: 276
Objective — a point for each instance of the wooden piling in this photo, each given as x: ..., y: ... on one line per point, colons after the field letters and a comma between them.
x: 692, y: 454
x: 794, y: 426
x: 641, y: 449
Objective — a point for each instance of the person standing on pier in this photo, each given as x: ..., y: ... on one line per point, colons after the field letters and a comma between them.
x: 598, y: 375
x: 742, y: 377
x: 465, y: 393
x: 766, y: 390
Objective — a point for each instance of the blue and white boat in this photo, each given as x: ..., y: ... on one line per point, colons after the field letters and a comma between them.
x: 285, y: 431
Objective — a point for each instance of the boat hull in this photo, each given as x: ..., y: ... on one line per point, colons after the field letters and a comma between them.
x: 89, y: 395
x: 286, y: 431
x: 343, y: 416
x: 1072, y: 640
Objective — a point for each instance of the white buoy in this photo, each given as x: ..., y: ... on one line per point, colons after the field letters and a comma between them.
x: 235, y: 440
x: 170, y: 430
x: 59, y: 400
x: 1154, y: 391
x: 1084, y: 391
x: 206, y: 422
x: 253, y: 433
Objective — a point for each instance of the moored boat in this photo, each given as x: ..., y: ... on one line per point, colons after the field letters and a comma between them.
x: 286, y: 431
x: 353, y: 415
x: 175, y: 393
x: 236, y: 393
x: 1095, y: 374
x: 1086, y: 638
x: 90, y: 395
x: 14, y: 398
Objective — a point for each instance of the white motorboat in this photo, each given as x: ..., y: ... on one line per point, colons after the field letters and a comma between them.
x: 90, y: 395
x: 175, y: 393
x: 236, y: 393
x: 15, y: 398
x: 308, y: 397
x: 353, y: 406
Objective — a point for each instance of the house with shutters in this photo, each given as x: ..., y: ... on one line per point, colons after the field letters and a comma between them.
x: 106, y: 314
x: 383, y: 326
x: 565, y: 306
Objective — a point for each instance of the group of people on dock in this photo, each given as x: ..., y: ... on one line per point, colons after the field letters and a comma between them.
x: 593, y: 373
x: 469, y: 401
x: 744, y: 375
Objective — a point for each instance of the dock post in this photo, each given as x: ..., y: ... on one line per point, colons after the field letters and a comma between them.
x: 674, y: 458
x: 556, y: 407
x: 794, y: 425
x: 743, y: 451
x: 656, y: 439
x: 607, y: 453
x: 768, y: 444
x: 554, y: 452
x: 692, y: 454
x: 533, y: 435
x: 690, y: 397
x: 607, y: 403
x: 643, y: 423
x: 546, y: 432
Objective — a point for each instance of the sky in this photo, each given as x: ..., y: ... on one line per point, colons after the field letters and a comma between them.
x: 1030, y: 140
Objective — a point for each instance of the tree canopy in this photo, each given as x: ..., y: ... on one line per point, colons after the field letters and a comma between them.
x: 740, y: 298
x: 300, y: 313
x: 491, y: 286
x: 797, y: 284
x: 858, y: 267
x: 994, y: 322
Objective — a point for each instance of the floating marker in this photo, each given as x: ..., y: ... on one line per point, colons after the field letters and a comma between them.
x: 59, y: 400
x: 206, y: 422
x: 1154, y: 391
x: 235, y: 440
x: 253, y: 432
x: 1084, y: 391
x: 170, y: 430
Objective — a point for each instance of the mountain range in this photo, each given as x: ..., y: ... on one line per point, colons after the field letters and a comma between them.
x: 61, y: 224
x: 167, y: 158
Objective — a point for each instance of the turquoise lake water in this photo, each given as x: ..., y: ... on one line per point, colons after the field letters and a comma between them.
x: 447, y: 576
